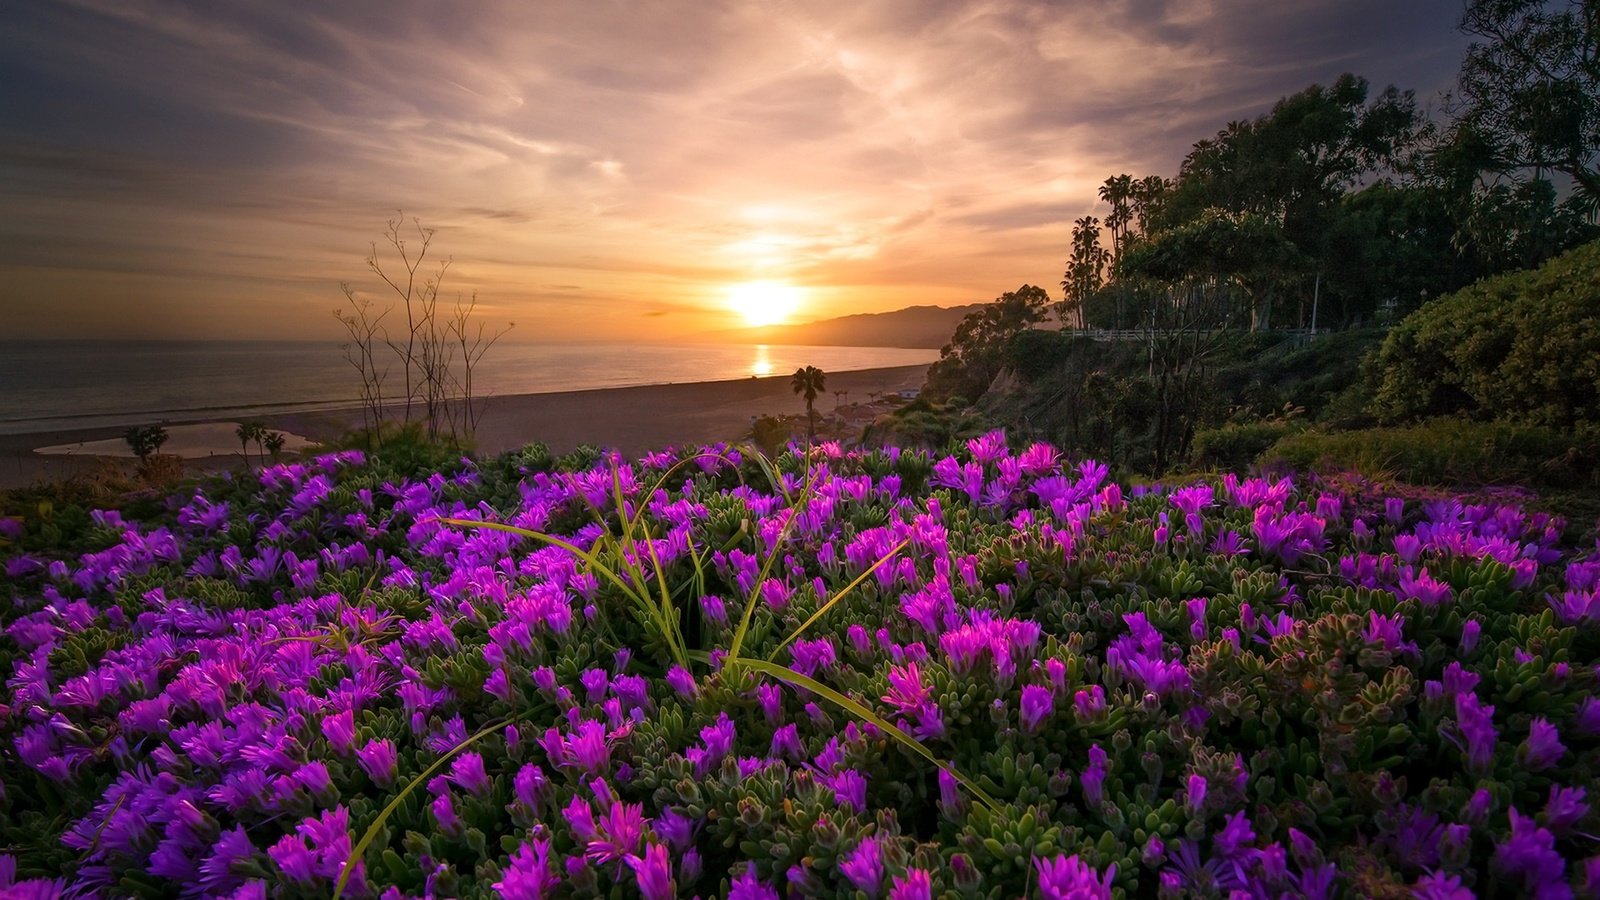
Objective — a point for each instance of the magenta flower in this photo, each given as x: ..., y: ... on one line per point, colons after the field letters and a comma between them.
x: 916, y: 884
x: 1037, y: 705
x: 619, y: 830
x: 679, y: 679
x: 1565, y: 808
x: 528, y: 786
x: 906, y: 690
x: 340, y: 730
x: 444, y: 812
x: 863, y: 866
x: 468, y: 774
x: 749, y: 887
x: 378, y: 760
x: 850, y: 789
x: 1069, y: 878
x: 653, y: 873
x: 1093, y: 778
x: 1543, y: 748
x: 1476, y: 722
x: 1195, y: 794
x: 1529, y: 854
x: 1441, y: 886
x: 531, y: 874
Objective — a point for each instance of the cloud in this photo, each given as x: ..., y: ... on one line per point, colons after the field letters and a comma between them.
x: 902, y: 151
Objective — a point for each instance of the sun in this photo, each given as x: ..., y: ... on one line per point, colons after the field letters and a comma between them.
x: 764, y: 302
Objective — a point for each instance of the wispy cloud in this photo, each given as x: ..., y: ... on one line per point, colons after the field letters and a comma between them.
x: 185, y: 167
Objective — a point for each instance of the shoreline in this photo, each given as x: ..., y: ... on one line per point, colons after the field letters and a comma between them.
x: 629, y: 419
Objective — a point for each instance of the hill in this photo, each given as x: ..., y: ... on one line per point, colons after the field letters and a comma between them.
x: 914, y: 326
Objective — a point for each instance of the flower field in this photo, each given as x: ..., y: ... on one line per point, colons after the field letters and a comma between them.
x: 889, y: 674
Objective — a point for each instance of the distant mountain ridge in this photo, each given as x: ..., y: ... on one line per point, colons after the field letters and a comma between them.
x: 913, y: 326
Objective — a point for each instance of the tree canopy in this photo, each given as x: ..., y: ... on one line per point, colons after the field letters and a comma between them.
x: 1530, y: 89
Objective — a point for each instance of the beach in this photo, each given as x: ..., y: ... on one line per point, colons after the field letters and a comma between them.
x: 632, y: 420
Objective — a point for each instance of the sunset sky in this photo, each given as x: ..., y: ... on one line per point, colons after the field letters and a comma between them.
x: 612, y: 170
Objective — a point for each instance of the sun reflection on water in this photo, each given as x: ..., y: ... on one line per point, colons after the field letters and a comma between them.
x: 762, y: 366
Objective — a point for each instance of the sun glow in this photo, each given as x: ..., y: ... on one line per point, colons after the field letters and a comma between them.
x: 764, y: 302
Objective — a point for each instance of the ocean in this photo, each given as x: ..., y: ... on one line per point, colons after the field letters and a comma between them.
x: 51, y: 385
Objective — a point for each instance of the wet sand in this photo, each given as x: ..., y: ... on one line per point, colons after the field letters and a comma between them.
x: 632, y: 420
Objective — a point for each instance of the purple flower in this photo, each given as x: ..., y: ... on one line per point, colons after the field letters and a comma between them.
x: 528, y: 785
x: 1195, y: 794
x: 378, y: 760
x: 1478, y: 807
x: 1233, y: 837
x: 531, y: 875
x: 1094, y: 777
x: 770, y: 696
x: 916, y: 884
x: 468, y: 774
x: 950, y: 800
x: 748, y: 887
x: 850, y: 789
x: 619, y: 831
x: 1543, y: 748
x: 679, y: 679
x: 653, y: 873
x: 1588, y: 718
x: 906, y: 690
x: 340, y: 730
x: 1197, y: 617
x: 1476, y: 722
x: 1440, y: 886
x: 863, y: 866
x: 444, y: 812
x: 595, y: 682
x: 217, y: 874
x: 1069, y: 878
x: 809, y: 656
x: 675, y: 828
x: 1529, y: 853
x: 1565, y: 808
x: 1037, y: 705
x: 1091, y: 704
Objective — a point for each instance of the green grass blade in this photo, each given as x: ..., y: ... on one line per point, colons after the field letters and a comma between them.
x: 773, y: 476
x: 823, y: 609
x: 766, y: 569
x: 371, y: 834
x: 585, y: 555
x: 861, y: 712
x: 673, y: 628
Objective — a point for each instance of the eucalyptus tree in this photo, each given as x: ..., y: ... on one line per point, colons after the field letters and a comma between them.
x: 1530, y: 88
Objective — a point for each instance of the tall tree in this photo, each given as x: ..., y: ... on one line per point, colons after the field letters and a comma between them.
x: 1118, y: 193
x: 1530, y: 87
x: 1221, y: 251
x: 1085, y: 270
x: 810, y: 382
x: 975, y: 353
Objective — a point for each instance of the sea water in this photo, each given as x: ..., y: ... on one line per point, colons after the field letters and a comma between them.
x: 51, y: 385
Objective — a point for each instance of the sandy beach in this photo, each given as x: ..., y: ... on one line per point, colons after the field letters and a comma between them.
x: 629, y: 419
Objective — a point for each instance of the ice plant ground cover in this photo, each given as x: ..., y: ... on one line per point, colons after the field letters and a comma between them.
x: 1249, y: 685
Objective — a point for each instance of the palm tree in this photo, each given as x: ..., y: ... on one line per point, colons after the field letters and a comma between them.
x: 247, y: 432
x: 809, y: 382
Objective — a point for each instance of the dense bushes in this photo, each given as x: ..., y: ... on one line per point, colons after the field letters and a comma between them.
x: 1450, y: 451
x: 1236, y: 447
x: 1523, y: 347
x: 1195, y: 689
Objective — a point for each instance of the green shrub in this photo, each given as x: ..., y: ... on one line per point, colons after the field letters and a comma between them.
x: 1236, y: 446
x: 1450, y: 451
x: 1524, y: 346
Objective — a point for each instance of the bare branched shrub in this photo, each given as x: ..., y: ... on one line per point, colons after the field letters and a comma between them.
x: 438, y: 351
